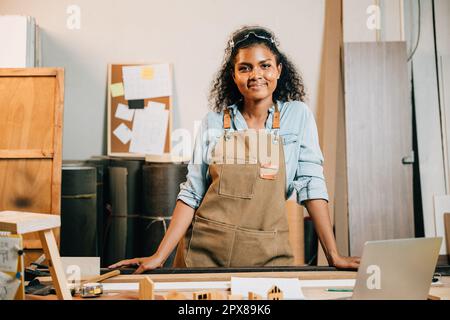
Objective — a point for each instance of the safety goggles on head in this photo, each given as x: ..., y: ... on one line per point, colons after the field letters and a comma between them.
x: 233, y: 43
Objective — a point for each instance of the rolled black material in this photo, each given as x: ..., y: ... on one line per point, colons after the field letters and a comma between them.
x: 125, y: 192
x: 78, y: 212
x: 161, y: 185
x: 103, y: 202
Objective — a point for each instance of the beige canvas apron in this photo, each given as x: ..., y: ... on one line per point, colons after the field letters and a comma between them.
x: 241, y: 221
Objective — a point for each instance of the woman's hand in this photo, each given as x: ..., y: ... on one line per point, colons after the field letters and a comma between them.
x: 341, y: 262
x: 147, y: 263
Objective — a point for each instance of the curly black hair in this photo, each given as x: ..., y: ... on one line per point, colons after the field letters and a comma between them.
x: 224, y: 91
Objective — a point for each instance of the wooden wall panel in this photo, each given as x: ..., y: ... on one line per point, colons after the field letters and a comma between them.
x: 379, y: 134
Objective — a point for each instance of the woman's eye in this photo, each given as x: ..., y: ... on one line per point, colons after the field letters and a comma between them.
x: 266, y: 66
x: 244, y: 68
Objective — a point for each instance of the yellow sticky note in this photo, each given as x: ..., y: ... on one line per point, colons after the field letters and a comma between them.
x: 147, y: 73
x: 117, y: 89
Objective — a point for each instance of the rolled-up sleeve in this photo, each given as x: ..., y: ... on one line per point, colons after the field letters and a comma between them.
x: 309, y: 181
x: 194, y: 188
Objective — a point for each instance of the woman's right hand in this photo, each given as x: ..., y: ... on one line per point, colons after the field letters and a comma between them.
x: 147, y: 263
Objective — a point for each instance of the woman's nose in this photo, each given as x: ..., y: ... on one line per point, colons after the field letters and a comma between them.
x: 256, y: 73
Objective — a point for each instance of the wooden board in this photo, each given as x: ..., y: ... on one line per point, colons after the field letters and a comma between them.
x: 25, y: 222
x: 31, y: 115
x: 329, y: 101
x: 379, y: 134
x: 115, y: 146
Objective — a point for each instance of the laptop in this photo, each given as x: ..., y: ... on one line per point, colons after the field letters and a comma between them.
x: 399, y: 269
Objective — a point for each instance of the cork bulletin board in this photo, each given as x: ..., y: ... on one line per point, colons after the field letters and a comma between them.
x: 117, y: 99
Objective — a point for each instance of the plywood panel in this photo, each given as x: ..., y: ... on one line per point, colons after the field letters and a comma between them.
x: 31, y: 112
x: 26, y: 113
x: 378, y: 135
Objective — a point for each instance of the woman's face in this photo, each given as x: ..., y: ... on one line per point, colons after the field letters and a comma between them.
x: 256, y: 72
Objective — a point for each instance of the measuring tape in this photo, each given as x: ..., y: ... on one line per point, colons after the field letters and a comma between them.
x: 91, y: 290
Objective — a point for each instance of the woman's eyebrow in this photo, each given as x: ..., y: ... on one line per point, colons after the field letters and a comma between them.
x: 249, y: 64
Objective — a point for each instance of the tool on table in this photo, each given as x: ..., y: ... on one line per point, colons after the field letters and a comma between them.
x: 92, y: 287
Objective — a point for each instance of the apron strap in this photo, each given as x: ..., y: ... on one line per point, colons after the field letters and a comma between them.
x: 275, y: 122
x: 276, y: 118
x: 226, y: 119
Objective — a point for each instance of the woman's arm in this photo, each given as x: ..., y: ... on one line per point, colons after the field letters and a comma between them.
x: 318, y: 210
x: 181, y: 219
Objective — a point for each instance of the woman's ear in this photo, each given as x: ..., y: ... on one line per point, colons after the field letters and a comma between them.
x: 280, y: 68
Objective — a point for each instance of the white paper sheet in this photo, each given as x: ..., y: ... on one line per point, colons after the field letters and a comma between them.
x: 139, y: 87
x: 124, y: 113
x: 123, y: 133
x: 8, y: 253
x: 149, y: 130
x: 290, y: 286
x: 8, y: 286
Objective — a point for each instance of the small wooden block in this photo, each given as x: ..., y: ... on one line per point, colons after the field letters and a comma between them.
x: 235, y: 297
x: 146, y: 287
x: 175, y: 295
x: 201, y: 296
x: 25, y: 222
x: 254, y: 296
x: 275, y: 293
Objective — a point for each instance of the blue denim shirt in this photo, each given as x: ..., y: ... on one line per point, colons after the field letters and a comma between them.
x: 303, y: 157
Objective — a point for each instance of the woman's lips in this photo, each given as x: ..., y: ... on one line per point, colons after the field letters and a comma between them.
x: 257, y: 85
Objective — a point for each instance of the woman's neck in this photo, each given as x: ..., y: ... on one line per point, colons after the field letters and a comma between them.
x: 256, y: 112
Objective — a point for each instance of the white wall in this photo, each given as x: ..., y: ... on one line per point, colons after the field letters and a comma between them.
x: 190, y: 34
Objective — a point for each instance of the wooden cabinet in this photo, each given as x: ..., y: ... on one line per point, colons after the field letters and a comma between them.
x: 31, y: 114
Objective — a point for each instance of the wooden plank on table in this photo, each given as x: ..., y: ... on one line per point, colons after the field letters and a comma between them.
x: 379, y: 135
x: 18, y: 222
x: 146, y: 287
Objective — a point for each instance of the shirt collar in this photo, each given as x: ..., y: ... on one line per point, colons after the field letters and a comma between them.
x: 234, y: 108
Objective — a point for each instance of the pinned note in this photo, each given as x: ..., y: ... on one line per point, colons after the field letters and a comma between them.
x: 9, y: 247
x: 8, y: 286
x: 149, y: 130
x: 136, y: 104
x: 141, y: 83
x: 124, y: 113
x: 147, y: 73
x: 117, y: 89
x: 123, y: 133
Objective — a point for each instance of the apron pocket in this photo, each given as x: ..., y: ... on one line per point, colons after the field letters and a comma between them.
x: 253, y: 248
x: 238, y: 180
x: 210, y: 244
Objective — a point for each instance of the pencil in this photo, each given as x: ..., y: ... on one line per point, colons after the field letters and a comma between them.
x: 339, y: 290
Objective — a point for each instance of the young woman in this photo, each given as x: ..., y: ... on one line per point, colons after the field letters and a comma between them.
x: 257, y: 147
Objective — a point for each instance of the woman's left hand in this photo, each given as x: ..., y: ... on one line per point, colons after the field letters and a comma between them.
x: 341, y: 262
